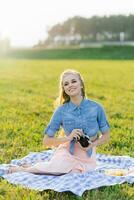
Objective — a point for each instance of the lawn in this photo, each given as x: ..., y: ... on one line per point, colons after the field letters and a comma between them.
x: 28, y: 89
x: 105, y: 52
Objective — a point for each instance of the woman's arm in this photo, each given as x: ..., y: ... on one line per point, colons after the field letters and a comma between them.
x: 105, y: 137
x: 53, y: 141
x: 99, y: 141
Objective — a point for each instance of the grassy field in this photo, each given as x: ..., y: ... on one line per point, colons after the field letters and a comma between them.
x: 104, y: 52
x: 28, y: 89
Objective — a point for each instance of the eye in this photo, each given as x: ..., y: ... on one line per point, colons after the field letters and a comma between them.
x: 74, y: 81
x: 65, y: 84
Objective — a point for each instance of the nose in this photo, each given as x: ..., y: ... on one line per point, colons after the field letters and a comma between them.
x: 70, y: 85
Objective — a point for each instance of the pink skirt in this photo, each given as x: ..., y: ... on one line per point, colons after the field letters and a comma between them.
x: 63, y: 162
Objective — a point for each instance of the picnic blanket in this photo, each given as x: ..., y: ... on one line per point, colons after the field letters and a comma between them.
x: 77, y: 183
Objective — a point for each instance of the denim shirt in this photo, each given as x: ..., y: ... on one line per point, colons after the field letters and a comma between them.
x: 88, y: 116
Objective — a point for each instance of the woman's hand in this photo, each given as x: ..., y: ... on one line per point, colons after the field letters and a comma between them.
x: 75, y: 134
x: 99, y: 141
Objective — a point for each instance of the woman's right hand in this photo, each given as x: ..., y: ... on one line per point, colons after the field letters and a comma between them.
x: 75, y: 134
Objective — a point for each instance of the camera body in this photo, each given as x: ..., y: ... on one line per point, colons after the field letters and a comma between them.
x: 84, y: 140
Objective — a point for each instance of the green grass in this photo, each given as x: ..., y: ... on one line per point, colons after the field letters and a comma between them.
x: 105, y: 52
x: 28, y: 89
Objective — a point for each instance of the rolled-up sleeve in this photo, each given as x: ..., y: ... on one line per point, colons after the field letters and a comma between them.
x: 102, y: 120
x: 54, y: 124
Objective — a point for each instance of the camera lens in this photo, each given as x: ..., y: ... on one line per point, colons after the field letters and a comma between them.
x: 84, y: 141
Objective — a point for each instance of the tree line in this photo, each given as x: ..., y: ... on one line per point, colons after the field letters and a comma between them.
x: 78, y: 29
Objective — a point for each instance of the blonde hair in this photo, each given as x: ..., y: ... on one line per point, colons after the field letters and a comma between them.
x: 63, y: 97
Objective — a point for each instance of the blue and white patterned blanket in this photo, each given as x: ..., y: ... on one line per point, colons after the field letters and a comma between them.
x: 77, y: 183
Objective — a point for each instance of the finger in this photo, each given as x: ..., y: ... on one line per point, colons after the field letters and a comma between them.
x: 75, y: 139
x: 76, y: 136
x: 77, y: 131
x: 80, y: 131
x: 79, y: 134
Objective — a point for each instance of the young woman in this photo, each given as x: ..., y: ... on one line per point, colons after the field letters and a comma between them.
x: 78, y: 116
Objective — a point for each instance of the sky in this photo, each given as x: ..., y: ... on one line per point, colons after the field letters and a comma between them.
x: 25, y: 22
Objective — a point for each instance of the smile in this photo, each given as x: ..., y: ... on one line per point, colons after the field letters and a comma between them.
x: 72, y: 89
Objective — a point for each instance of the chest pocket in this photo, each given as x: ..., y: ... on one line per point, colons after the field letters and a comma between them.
x: 91, y: 125
x: 91, y: 121
x: 68, y: 125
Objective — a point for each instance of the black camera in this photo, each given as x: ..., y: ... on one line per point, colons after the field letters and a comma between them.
x: 84, y: 140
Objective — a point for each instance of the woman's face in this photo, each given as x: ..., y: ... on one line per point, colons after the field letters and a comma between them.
x: 72, y: 85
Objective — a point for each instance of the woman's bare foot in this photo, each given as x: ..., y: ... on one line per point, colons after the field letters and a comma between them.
x: 13, y: 169
x: 25, y: 165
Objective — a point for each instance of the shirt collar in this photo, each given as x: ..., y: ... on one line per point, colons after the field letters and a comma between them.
x: 73, y: 106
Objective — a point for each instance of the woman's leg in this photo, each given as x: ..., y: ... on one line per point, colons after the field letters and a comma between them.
x: 30, y: 169
x: 60, y: 163
x: 38, y: 168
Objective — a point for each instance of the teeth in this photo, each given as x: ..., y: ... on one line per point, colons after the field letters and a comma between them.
x: 72, y: 89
